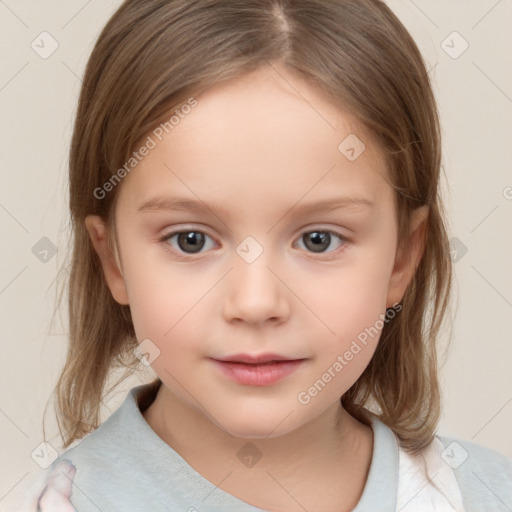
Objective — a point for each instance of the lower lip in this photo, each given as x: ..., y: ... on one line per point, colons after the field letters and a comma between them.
x: 258, y: 374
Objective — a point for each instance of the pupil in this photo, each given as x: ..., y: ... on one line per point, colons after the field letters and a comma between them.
x: 191, y: 240
x: 320, y: 241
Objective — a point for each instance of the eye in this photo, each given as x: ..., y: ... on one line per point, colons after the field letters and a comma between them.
x: 318, y: 241
x: 192, y: 241
x: 189, y: 242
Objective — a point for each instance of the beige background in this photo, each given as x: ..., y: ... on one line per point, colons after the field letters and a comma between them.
x: 38, y: 98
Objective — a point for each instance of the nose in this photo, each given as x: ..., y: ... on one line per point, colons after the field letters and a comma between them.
x: 254, y: 294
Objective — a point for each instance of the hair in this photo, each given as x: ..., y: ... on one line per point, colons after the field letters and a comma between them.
x: 152, y: 55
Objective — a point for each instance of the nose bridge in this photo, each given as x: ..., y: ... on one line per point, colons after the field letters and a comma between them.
x: 254, y: 292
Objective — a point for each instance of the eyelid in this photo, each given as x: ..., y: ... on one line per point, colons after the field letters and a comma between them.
x: 324, y: 228
x: 185, y: 228
x: 206, y: 231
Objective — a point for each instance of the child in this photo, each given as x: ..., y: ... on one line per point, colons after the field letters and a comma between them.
x: 294, y: 145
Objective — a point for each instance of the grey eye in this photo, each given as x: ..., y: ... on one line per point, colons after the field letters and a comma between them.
x: 318, y: 241
x: 189, y: 242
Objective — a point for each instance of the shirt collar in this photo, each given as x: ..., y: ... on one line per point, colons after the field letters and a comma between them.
x: 379, y: 494
x: 380, y: 491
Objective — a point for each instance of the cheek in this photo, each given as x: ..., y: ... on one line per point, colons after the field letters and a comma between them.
x: 350, y: 305
x: 164, y: 297
x: 169, y: 316
x: 349, y: 298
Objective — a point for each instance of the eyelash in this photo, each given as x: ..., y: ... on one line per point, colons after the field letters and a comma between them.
x: 184, y: 255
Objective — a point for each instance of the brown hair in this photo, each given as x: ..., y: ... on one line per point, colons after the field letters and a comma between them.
x: 152, y: 55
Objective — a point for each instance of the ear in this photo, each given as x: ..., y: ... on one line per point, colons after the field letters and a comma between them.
x: 111, y: 269
x: 408, y: 256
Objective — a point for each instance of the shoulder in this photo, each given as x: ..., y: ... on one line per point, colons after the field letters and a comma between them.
x: 484, y: 475
x: 95, y: 445
x: 90, y: 456
x: 107, y: 476
x: 117, y: 436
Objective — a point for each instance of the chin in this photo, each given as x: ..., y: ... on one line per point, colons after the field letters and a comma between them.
x: 256, y: 424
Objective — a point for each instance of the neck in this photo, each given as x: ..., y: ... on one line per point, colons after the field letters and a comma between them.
x: 331, y: 453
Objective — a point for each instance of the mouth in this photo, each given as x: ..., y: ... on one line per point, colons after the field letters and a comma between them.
x: 257, y: 370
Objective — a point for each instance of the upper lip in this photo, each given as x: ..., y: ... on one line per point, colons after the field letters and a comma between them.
x: 255, y: 359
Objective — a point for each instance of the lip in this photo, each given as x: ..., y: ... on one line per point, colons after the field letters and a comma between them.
x: 257, y: 370
x: 255, y: 358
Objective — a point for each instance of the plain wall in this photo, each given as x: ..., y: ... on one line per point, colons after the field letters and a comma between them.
x: 38, y: 99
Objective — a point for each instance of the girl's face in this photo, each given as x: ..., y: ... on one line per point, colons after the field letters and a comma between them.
x: 288, y: 251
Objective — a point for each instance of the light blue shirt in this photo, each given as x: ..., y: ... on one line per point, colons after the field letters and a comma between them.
x: 124, y: 466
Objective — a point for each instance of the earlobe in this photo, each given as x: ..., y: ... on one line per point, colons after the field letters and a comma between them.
x: 408, y: 256
x: 98, y: 233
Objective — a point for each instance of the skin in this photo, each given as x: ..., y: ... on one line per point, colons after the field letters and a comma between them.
x: 252, y: 149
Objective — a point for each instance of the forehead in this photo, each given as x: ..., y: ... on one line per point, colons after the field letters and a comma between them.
x: 265, y: 133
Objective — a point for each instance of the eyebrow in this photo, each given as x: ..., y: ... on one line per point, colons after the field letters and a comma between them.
x: 164, y: 203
